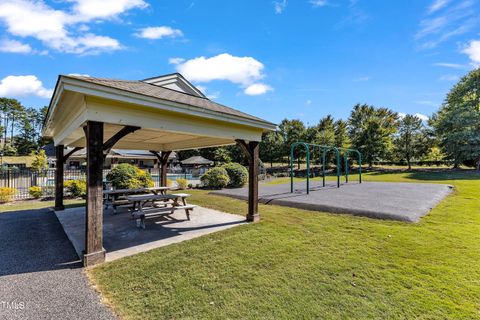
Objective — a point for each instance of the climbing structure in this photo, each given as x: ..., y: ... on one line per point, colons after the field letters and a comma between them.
x: 323, y: 151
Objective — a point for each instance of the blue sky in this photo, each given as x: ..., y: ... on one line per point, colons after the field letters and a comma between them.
x: 274, y: 59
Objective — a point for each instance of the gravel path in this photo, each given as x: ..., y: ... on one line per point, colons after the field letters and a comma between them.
x: 40, y: 274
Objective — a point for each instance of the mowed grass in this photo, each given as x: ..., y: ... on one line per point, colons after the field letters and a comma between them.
x: 298, y: 264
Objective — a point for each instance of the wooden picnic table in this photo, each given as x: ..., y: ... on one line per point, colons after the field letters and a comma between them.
x: 118, y: 197
x: 161, y: 204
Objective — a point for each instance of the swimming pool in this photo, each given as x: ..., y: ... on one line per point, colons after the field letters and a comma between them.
x: 175, y: 176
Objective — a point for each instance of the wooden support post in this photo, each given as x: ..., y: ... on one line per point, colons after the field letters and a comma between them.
x: 162, y: 162
x: 59, y: 178
x: 94, y: 252
x: 252, y: 150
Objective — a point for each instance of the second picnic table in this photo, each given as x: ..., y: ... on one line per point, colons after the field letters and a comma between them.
x: 161, y: 204
x: 118, y: 197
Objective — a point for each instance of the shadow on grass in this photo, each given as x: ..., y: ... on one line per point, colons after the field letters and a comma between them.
x: 428, y: 175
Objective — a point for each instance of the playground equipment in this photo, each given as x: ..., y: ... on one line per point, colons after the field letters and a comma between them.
x: 323, y: 151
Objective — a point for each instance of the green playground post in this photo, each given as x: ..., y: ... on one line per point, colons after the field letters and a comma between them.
x: 338, y: 166
x: 307, y: 149
x: 308, y: 168
x: 346, y: 166
x: 359, y: 166
x: 359, y: 155
x: 323, y: 165
x: 324, y: 150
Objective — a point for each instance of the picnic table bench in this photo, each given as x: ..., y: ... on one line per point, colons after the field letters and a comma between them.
x: 163, y: 204
x: 118, y: 197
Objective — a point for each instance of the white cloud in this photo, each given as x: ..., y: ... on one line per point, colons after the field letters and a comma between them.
x: 257, y: 89
x: 318, y: 3
x: 450, y: 65
x: 418, y: 115
x: 449, y: 77
x: 362, y: 79
x: 78, y: 75
x: 64, y: 30
x: 14, y: 46
x: 473, y: 52
x: 239, y: 70
x: 159, y: 32
x: 20, y: 86
x: 437, y: 5
x: 92, y: 44
x: 33, y: 19
x: 455, y: 20
x: 421, y: 116
x: 279, y: 6
x: 175, y: 60
x: 244, y: 71
x: 427, y: 103
x: 211, y: 95
x: 87, y: 10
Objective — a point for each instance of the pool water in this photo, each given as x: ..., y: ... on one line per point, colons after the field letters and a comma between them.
x: 174, y: 177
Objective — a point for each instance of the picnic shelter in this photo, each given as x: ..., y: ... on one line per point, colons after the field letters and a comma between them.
x: 161, y: 115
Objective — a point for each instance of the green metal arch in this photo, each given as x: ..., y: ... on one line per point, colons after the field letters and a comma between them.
x: 307, y: 146
x: 324, y: 151
x: 292, y: 150
x: 347, y: 151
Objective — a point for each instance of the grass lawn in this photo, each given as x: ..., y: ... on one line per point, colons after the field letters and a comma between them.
x: 302, y: 264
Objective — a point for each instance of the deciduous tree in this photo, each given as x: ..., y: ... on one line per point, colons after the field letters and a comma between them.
x: 411, y: 141
x: 371, y: 131
x: 457, y: 124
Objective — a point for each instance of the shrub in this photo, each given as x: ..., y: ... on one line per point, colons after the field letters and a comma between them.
x: 215, y: 178
x: 126, y: 176
x: 182, y: 183
x: 237, y: 173
x: 6, y: 194
x: 169, y: 182
x: 76, y: 188
x: 35, y: 192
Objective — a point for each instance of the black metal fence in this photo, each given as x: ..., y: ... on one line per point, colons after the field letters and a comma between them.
x: 22, y: 179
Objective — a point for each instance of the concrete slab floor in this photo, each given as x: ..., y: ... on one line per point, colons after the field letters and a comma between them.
x: 122, y: 238
x: 382, y: 200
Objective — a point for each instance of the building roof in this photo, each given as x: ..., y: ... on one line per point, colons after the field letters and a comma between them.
x: 165, y: 93
x: 175, y: 81
x: 165, y: 113
x: 118, y: 153
x: 126, y: 154
x: 196, y: 160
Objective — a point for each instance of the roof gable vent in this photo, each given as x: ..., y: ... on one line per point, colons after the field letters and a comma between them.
x: 175, y: 82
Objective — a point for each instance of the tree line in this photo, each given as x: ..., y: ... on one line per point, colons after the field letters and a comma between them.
x: 451, y: 134
x: 379, y: 133
x: 20, y: 128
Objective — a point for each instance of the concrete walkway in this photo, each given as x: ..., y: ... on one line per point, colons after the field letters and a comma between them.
x: 121, y: 237
x: 382, y: 200
x: 40, y: 275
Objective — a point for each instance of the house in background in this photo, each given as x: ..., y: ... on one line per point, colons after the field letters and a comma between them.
x: 196, y: 166
x: 139, y: 158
